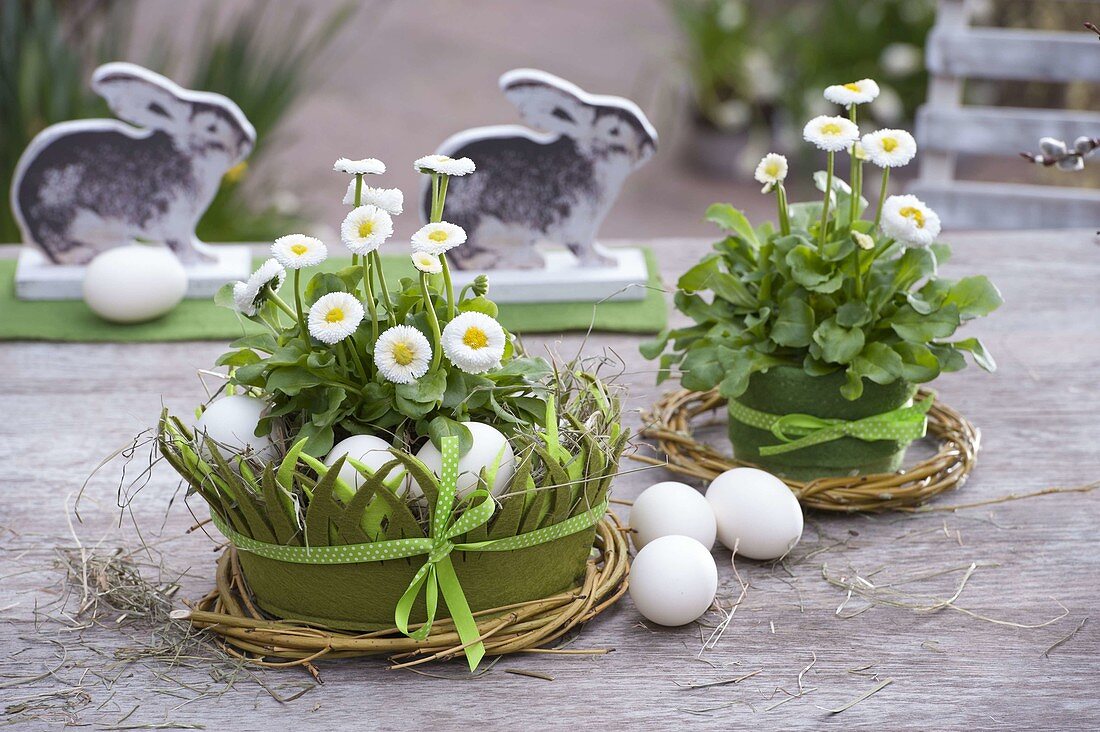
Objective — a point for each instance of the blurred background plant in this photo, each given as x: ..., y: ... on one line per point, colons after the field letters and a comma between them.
x: 263, y: 61
x: 848, y: 40
x: 757, y: 68
x: 734, y: 85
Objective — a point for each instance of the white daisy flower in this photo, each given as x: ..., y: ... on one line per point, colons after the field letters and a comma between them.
x: 444, y: 165
x: 249, y: 296
x: 427, y: 263
x: 365, y: 229
x: 390, y: 200
x: 366, y: 166
x: 907, y: 219
x: 474, y: 342
x: 831, y: 134
x: 863, y: 241
x: 438, y: 238
x: 296, y: 251
x: 889, y: 148
x: 402, y: 354
x: 771, y: 171
x: 334, y: 317
x: 855, y: 92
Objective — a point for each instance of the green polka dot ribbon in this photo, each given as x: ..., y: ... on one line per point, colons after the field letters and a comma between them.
x: 437, y: 575
x: 797, y: 431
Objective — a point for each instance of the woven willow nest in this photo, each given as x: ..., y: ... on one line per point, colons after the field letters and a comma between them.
x: 673, y: 418
x: 246, y: 631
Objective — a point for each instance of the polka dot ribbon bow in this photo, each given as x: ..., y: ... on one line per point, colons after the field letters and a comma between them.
x: 797, y: 431
x: 437, y: 576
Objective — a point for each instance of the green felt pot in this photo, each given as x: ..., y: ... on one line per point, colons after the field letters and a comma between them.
x: 790, y: 390
x: 363, y: 596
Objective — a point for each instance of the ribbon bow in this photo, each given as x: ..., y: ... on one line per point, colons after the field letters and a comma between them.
x: 438, y: 573
x: 797, y: 431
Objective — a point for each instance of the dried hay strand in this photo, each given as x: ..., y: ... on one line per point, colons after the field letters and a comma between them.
x: 244, y: 631
x: 669, y: 423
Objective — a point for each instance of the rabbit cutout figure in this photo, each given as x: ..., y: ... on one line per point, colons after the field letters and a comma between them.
x: 84, y: 186
x: 555, y: 185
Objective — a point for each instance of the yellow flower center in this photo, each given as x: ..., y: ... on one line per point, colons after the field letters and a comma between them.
x: 852, y: 86
x: 889, y: 144
x: 366, y: 228
x: 439, y: 235
x: 915, y: 214
x: 334, y: 316
x: 299, y: 249
x: 402, y: 354
x: 475, y: 338
x: 830, y: 128
x: 772, y: 170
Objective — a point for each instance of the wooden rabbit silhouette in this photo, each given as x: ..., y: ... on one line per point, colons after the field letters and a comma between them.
x: 88, y: 185
x: 556, y: 185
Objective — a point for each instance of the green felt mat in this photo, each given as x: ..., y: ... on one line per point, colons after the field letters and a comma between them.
x: 201, y: 320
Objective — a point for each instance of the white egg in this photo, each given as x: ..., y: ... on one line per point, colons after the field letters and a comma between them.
x: 231, y: 423
x: 488, y: 445
x: 756, y: 512
x: 374, y: 452
x: 135, y: 283
x: 673, y: 580
x: 668, y: 508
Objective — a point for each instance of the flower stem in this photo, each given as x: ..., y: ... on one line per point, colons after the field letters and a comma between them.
x: 881, y: 196
x: 853, y: 201
x: 433, y: 321
x: 358, y: 190
x: 858, y: 274
x: 784, y: 216
x: 353, y: 348
x: 439, y: 198
x: 272, y: 321
x: 280, y: 303
x: 433, y: 216
x: 298, y: 304
x: 444, y: 180
x: 369, y: 295
x: 376, y: 258
x: 825, y: 205
x: 449, y: 287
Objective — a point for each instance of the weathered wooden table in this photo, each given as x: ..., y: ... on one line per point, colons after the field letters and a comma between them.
x: 799, y: 645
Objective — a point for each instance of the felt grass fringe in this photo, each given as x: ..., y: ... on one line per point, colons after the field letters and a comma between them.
x: 670, y: 425
x: 299, y: 501
x: 246, y: 631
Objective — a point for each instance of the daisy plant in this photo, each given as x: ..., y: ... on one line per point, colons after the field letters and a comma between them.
x: 348, y: 354
x: 828, y: 288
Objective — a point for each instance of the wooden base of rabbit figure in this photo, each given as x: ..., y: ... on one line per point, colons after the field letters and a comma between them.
x: 36, y: 278
x: 564, y: 279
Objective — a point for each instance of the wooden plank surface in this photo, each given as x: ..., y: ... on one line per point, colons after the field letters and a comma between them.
x: 1000, y: 131
x: 1011, y: 53
x: 966, y: 204
x: 67, y: 406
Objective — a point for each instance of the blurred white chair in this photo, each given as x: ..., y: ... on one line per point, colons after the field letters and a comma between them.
x: 946, y: 128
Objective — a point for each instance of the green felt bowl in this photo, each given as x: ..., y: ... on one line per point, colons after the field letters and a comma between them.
x: 363, y: 596
x: 788, y: 390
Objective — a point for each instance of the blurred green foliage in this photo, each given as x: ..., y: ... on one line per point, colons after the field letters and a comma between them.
x: 756, y: 64
x: 732, y: 78
x: 264, y: 61
x: 847, y: 40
